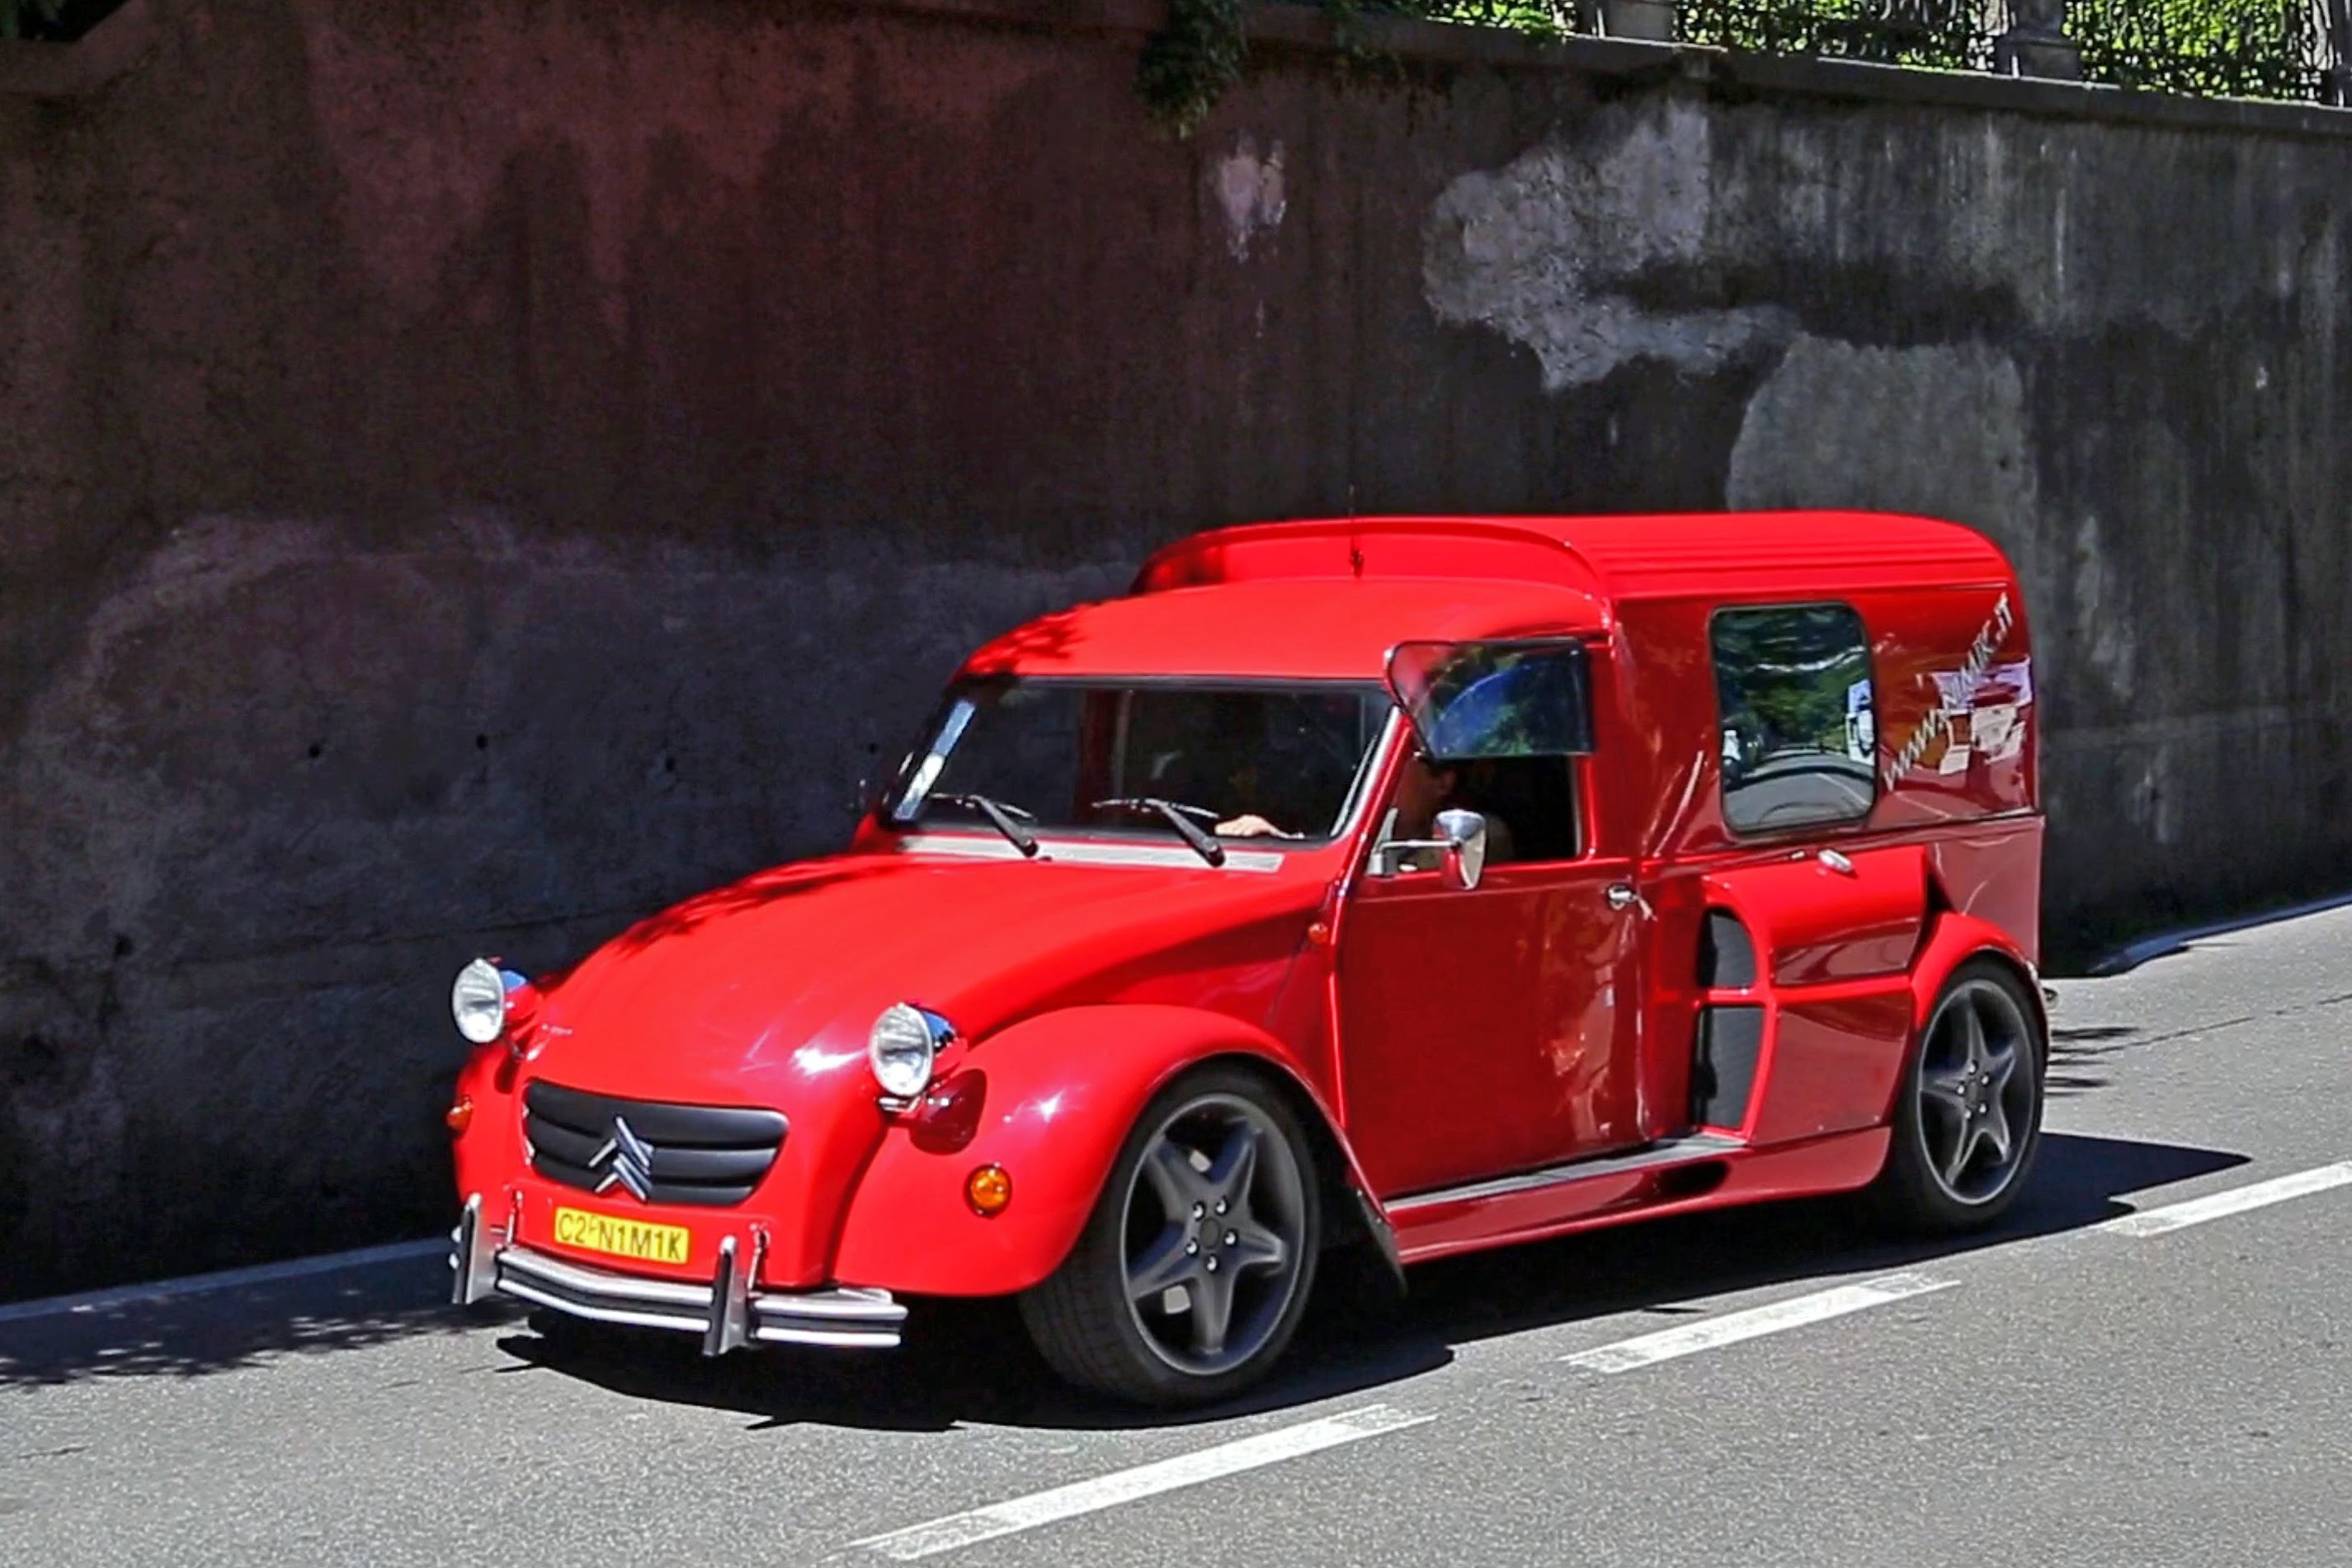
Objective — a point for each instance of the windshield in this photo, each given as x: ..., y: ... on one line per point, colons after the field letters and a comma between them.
x: 1271, y: 763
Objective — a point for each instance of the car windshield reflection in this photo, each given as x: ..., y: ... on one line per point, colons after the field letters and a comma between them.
x: 1194, y: 764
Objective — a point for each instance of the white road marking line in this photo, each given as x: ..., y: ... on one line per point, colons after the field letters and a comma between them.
x: 1649, y: 1349
x: 228, y: 1280
x: 1143, y: 1480
x: 2237, y: 1200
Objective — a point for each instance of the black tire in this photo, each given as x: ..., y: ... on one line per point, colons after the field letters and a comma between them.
x: 1086, y: 1318
x: 1945, y: 1172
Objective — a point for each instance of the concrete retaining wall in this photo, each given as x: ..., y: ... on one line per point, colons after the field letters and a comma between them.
x: 477, y: 470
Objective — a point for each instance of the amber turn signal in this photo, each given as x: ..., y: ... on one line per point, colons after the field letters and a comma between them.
x: 988, y: 1190
x: 460, y: 1115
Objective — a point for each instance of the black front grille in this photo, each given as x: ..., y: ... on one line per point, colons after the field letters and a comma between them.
x: 707, y: 1154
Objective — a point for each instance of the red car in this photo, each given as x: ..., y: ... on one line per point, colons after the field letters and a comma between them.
x: 1421, y: 884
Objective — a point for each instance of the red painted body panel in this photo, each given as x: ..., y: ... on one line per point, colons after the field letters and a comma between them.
x: 1833, y: 950
x: 762, y: 994
x: 1444, y: 1036
x: 1673, y: 721
x: 1055, y: 1129
x: 1482, y: 1029
x: 1832, y: 1058
x: 1721, y: 556
x: 1302, y: 631
x: 1953, y: 941
x: 1820, y: 925
x: 1831, y: 1165
x: 1992, y: 871
x: 490, y: 1153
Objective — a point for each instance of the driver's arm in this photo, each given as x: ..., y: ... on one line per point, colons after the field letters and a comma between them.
x: 1250, y: 825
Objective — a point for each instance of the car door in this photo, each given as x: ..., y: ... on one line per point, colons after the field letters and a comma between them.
x: 1491, y: 1028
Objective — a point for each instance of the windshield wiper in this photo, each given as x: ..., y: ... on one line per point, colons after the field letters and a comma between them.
x: 1000, y: 816
x: 1174, y: 812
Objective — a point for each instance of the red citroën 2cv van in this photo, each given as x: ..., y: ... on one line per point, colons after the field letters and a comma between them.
x: 1422, y: 885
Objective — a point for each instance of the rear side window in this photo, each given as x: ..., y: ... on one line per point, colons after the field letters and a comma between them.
x: 1798, y: 731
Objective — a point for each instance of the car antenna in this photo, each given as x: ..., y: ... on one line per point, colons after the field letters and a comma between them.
x: 1355, y: 544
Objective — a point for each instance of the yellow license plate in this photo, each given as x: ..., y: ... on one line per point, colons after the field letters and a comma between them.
x: 616, y: 1237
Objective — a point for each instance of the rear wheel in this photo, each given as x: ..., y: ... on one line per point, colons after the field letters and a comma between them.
x: 1968, y: 1117
x: 1191, y: 1273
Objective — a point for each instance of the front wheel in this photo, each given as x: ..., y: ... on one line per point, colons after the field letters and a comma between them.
x: 1191, y: 1273
x: 1967, y: 1115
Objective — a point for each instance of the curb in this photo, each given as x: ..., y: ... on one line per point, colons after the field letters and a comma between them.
x: 2134, y: 955
x: 227, y: 1279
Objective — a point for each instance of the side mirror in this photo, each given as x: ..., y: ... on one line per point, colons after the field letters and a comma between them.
x: 1461, y: 845
x: 1464, y: 836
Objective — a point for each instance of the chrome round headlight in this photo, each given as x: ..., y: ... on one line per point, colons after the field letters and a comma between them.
x: 479, y: 1001
x: 905, y: 1042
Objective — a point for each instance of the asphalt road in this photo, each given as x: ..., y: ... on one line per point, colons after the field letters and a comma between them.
x: 2082, y: 1388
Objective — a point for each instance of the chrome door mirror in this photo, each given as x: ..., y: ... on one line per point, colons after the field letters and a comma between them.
x: 1461, y: 846
x: 1464, y: 836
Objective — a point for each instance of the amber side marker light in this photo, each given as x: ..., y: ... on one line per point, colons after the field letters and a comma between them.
x: 988, y: 1190
x: 459, y: 1116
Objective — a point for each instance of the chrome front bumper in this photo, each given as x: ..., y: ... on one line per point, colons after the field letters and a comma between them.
x: 727, y: 1313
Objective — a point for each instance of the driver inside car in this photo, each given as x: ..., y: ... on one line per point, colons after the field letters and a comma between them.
x: 1425, y: 788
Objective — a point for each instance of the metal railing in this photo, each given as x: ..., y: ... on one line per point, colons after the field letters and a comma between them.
x: 2278, y: 48
x: 2287, y: 50
x: 1953, y: 35
x: 2284, y: 49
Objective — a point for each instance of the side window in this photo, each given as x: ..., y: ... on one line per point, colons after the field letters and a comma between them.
x: 1498, y: 727
x: 1798, y: 729
x: 1534, y: 800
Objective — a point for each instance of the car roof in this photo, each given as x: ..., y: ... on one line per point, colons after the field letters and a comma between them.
x: 1327, y: 598
x: 1720, y: 554
x: 1330, y: 628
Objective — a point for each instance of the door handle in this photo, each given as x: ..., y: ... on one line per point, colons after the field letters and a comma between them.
x: 1622, y: 896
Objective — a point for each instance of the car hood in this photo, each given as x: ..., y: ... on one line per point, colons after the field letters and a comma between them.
x: 764, y: 990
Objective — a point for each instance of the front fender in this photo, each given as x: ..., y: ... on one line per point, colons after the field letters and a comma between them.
x: 1954, y: 939
x: 1050, y: 1100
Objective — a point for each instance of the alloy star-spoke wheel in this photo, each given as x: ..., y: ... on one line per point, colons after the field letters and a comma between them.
x: 1214, y: 1234
x: 1973, y: 1100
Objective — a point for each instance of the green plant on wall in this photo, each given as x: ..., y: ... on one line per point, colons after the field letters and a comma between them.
x: 1201, y: 50
x: 1188, y: 64
x: 1949, y: 34
x: 2241, y: 48
x: 2257, y: 48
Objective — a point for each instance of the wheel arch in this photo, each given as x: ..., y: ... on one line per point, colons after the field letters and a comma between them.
x: 1353, y: 1215
x: 1054, y: 1111
x: 1953, y: 939
x: 1908, y: 1193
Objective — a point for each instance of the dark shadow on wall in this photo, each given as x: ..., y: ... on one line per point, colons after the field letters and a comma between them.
x: 73, y: 19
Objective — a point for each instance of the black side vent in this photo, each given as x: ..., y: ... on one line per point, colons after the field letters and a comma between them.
x: 1723, y: 1066
x: 1726, y: 958
x: 1677, y: 1183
